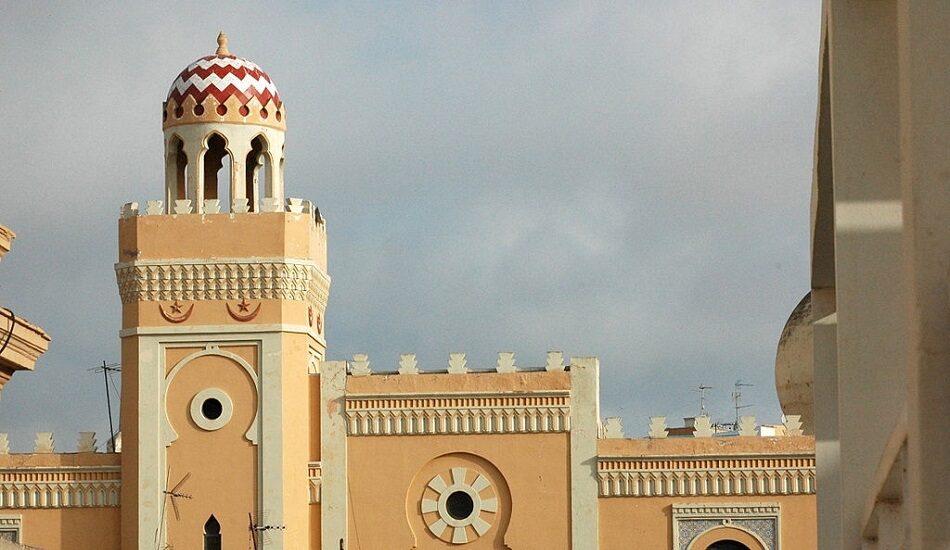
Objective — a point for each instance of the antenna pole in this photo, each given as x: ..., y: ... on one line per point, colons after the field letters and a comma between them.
x: 737, y: 397
x: 105, y: 377
x: 702, y: 398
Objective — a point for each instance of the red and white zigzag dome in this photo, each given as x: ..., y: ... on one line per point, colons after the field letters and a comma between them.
x: 223, y: 88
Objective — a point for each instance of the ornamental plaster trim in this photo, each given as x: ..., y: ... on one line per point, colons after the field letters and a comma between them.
x: 6, y: 240
x: 197, y: 409
x: 169, y: 435
x: 461, y: 413
x: 707, y: 476
x: 216, y: 331
x: 484, y: 505
x: 11, y: 528
x: 65, y: 487
x: 314, y: 357
x: 21, y: 343
x: 191, y: 280
x: 315, y: 476
x: 761, y: 520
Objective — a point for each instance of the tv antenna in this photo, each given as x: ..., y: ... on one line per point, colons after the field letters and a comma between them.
x: 701, y: 389
x: 174, y: 494
x: 254, y: 530
x: 737, y: 398
x: 107, y: 370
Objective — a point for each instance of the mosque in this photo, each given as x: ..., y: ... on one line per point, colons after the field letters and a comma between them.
x: 238, y: 432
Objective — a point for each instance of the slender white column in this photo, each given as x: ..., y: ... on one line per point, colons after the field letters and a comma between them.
x: 585, y: 420
x: 333, y: 502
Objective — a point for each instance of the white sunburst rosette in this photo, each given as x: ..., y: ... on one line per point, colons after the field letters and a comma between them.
x: 460, y: 511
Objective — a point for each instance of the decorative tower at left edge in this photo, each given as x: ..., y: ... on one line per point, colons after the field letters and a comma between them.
x: 224, y: 287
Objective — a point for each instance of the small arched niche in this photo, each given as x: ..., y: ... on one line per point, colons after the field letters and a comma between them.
x: 212, y: 534
x: 216, y: 157
x: 176, y: 170
x: 258, y: 172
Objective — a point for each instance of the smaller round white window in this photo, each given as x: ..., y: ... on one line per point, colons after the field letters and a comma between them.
x: 211, y: 409
x: 464, y: 509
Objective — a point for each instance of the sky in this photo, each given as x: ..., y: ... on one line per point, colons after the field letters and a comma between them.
x: 629, y: 180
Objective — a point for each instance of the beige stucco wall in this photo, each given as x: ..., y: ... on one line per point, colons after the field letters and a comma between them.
x: 429, y: 383
x: 244, y: 468
x: 208, y: 236
x: 647, y: 521
x: 530, y: 472
x: 383, y: 471
x: 297, y: 434
x: 63, y: 528
x: 737, y: 447
x: 70, y: 528
x: 222, y: 463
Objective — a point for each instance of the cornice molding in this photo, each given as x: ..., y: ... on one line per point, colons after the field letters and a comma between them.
x: 60, y: 487
x: 23, y: 347
x: 461, y: 413
x: 706, y: 476
x: 6, y: 240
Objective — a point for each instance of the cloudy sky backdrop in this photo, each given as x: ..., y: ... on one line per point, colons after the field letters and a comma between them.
x: 627, y: 180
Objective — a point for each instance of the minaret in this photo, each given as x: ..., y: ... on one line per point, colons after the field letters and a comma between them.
x: 224, y: 287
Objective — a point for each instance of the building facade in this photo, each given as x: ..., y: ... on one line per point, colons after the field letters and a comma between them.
x: 239, y: 433
x: 880, y: 259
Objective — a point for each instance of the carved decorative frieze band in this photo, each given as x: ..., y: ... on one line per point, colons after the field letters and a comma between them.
x: 230, y: 280
x: 65, y: 487
x: 470, y: 413
x: 691, y: 521
x: 699, y: 476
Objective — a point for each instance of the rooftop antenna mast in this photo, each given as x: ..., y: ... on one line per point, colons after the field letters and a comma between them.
x: 737, y: 398
x: 261, y: 530
x: 106, y: 370
x: 172, y: 494
x: 702, y: 398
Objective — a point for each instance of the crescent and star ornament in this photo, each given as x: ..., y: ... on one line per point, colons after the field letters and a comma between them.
x: 176, y: 315
x: 244, y: 312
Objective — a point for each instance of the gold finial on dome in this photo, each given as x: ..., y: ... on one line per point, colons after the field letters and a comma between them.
x: 222, y: 44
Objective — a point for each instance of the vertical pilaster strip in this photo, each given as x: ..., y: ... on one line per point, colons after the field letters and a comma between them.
x: 195, y: 190
x: 870, y: 290
x: 925, y: 165
x: 585, y: 419
x: 333, y: 454
x: 239, y: 153
x: 271, y: 448
x: 151, y: 452
x: 827, y: 447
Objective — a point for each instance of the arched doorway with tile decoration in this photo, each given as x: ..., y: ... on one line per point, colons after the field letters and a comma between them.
x: 727, y: 538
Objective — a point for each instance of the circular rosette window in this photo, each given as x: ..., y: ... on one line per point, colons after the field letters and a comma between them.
x: 459, y: 505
